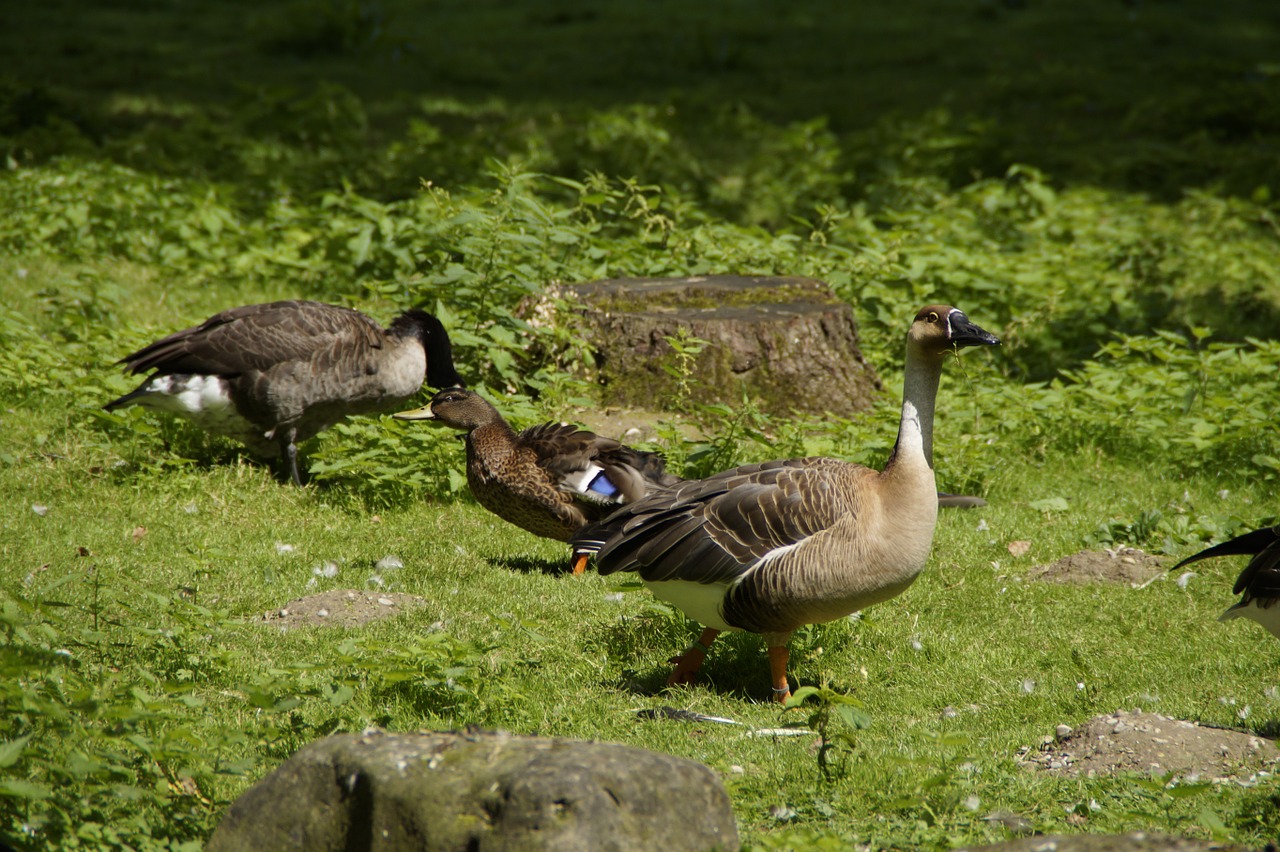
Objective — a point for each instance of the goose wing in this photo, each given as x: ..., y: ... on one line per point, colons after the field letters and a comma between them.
x: 257, y: 337
x: 1261, y: 577
x: 715, y: 530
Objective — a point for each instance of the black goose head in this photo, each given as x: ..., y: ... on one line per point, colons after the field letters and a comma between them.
x: 430, y: 332
x: 458, y: 408
x: 941, y: 328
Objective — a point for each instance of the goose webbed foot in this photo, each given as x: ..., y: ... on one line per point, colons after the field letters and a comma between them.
x: 289, y: 451
x: 688, y: 663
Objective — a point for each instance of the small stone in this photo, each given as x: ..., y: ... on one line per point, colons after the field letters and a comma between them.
x: 1063, y: 731
x: 386, y: 602
x: 40, y: 509
x: 322, y: 613
x: 1018, y: 548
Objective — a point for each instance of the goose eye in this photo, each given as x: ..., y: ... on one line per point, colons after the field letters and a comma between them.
x: 933, y: 316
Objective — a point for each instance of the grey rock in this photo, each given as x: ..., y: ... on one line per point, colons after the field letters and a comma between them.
x: 490, y: 791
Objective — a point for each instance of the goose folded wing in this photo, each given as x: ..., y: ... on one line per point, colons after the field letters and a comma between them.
x: 715, y: 530
x: 258, y: 337
x: 1261, y: 577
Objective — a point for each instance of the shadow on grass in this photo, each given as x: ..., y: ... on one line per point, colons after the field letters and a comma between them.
x: 532, y: 564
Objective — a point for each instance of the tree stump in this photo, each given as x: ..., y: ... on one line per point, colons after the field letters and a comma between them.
x: 785, y: 341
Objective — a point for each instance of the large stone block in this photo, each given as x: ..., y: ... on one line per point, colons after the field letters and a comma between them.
x: 476, y: 792
x: 787, y: 341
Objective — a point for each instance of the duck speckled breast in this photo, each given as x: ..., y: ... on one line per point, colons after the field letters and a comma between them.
x: 505, y: 484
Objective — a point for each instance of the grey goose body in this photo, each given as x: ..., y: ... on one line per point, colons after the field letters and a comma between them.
x: 273, y: 375
x: 770, y: 547
x: 1259, y: 582
x: 550, y: 480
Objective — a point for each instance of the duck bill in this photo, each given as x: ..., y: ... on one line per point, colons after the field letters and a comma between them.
x: 965, y: 333
x: 423, y: 413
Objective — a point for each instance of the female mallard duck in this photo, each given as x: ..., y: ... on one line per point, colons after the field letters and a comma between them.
x: 273, y: 375
x: 1259, y: 582
x: 770, y: 547
x: 552, y: 479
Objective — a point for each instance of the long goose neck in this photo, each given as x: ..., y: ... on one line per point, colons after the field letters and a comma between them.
x: 919, y: 395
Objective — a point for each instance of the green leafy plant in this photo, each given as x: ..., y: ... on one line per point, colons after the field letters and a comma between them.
x: 832, y: 716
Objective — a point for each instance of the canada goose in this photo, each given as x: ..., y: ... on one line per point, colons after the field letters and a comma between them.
x: 1259, y: 582
x: 770, y: 547
x: 273, y: 375
x: 552, y: 479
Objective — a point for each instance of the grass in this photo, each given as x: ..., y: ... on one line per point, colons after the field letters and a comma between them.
x: 559, y: 656
x: 1096, y: 185
x: 156, y: 573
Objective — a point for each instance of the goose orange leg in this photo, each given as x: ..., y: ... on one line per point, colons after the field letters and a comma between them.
x: 778, y: 657
x: 688, y: 663
x: 580, y: 563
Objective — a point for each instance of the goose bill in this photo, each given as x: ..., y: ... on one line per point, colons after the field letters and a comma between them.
x: 966, y: 333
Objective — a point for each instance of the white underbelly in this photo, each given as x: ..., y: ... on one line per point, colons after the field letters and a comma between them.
x: 700, y: 601
x: 206, y: 402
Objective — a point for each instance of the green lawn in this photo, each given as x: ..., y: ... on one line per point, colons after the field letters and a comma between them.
x: 1092, y: 183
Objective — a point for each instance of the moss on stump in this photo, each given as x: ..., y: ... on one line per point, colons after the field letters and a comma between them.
x: 785, y: 341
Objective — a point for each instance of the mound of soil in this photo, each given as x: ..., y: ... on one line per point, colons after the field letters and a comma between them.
x: 1150, y: 743
x: 340, y: 608
x: 1122, y: 565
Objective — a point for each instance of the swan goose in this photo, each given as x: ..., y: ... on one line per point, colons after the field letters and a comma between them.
x: 770, y: 547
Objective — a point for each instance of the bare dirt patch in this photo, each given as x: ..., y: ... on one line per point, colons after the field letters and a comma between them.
x: 631, y: 425
x: 1122, y: 565
x: 1149, y: 743
x: 340, y: 608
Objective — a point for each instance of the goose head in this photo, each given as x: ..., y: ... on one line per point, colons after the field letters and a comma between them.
x: 458, y: 408
x: 939, y: 329
x: 419, y: 325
